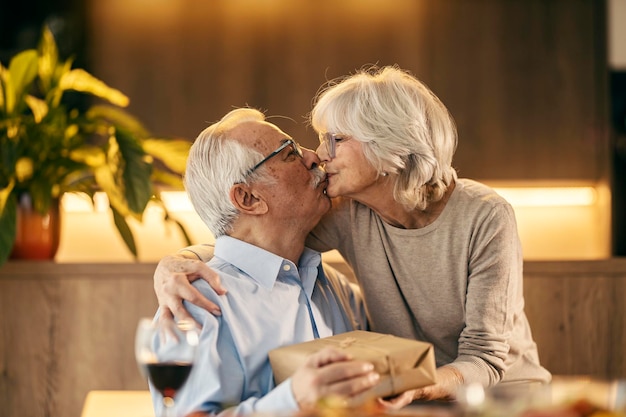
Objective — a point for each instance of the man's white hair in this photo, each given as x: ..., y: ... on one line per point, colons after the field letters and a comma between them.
x: 215, y: 163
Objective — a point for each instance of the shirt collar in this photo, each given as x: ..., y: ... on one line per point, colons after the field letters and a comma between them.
x: 247, y: 258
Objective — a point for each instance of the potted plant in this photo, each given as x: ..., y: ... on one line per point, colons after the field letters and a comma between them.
x: 49, y: 147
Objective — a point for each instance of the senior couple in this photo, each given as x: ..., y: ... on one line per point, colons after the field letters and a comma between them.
x: 437, y: 258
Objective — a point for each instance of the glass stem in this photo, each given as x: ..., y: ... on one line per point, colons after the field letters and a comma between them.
x: 168, y: 407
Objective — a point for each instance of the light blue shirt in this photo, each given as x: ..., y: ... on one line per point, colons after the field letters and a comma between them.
x: 270, y: 303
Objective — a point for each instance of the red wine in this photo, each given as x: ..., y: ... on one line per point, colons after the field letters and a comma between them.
x: 168, y: 377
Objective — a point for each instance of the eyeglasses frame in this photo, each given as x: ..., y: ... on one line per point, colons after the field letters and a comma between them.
x: 330, y: 139
x: 285, y: 143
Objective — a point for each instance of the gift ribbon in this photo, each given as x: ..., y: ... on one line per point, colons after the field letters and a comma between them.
x: 349, y: 341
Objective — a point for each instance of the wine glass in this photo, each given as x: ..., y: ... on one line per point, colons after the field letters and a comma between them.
x: 165, y: 355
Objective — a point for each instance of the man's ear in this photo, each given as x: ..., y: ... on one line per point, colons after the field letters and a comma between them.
x: 247, y: 200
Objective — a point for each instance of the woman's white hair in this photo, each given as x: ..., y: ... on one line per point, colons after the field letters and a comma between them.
x: 215, y: 163
x: 405, y: 129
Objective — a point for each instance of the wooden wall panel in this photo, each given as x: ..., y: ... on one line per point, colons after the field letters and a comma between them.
x: 525, y: 80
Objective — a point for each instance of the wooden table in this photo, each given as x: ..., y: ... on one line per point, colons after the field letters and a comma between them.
x: 118, y: 404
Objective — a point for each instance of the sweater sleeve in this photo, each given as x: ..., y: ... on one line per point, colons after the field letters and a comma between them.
x: 203, y: 252
x: 493, y: 297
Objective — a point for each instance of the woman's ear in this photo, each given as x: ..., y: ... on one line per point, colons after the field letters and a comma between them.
x: 246, y: 200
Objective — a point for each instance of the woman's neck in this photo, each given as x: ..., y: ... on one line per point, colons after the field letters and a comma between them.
x: 399, y: 216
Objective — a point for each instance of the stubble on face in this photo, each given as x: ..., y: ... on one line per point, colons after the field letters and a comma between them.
x: 294, y: 188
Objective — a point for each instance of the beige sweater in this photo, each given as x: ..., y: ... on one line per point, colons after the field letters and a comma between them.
x: 456, y: 283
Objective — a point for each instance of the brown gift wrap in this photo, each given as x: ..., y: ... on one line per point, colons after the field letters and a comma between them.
x: 403, y: 364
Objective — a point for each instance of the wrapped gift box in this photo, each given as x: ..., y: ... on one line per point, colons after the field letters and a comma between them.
x: 403, y: 364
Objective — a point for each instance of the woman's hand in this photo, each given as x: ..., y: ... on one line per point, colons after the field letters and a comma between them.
x: 448, y: 381
x: 172, y: 284
x: 331, y: 373
x: 398, y: 401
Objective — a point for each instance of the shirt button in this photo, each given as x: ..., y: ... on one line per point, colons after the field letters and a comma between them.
x: 287, y: 267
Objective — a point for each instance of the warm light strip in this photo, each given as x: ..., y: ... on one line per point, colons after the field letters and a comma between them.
x: 81, y: 203
x: 548, y: 196
x: 177, y: 201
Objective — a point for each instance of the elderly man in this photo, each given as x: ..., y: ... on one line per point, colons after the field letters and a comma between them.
x: 260, y: 194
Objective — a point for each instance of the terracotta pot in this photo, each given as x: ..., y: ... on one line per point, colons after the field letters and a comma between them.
x: 36, y: 236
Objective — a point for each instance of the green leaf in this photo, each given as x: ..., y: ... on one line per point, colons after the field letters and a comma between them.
x: 53, y: 91
x: 48, y: 59
x: 41, y: 194
x: 4, y: 74
x: 5, y: 194
x: 168, y: 218
x: 182, y: 229
x: 173, y: 153
x: 125, y: 232
x: 89, y: 155
x: 8, y: 220
x: 37, y: 106
x: 165, y: 178
x: 136, y: 171
x: 118, y: 117
x: 23, y: 69
x: 106, y: 182
x: 80, y: 80
x: 22, y: 72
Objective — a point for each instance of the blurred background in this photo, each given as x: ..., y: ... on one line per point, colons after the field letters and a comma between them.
x: 536, y: 88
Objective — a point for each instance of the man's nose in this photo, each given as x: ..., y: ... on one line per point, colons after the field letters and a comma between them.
x: 310, y: 158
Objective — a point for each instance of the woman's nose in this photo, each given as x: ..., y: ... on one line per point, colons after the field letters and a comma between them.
x: 322, y: 152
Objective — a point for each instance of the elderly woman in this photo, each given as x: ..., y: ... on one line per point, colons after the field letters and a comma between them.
x: 438, y: 258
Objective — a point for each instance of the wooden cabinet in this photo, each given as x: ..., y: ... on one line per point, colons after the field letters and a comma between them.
x: 67, y: 329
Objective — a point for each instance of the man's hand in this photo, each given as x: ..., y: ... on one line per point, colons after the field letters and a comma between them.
x: 331, y: 372
x: 172, y: 284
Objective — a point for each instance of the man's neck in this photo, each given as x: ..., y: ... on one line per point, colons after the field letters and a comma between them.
x: 278, y: 242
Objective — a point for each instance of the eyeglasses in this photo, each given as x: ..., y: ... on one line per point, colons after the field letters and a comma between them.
x: 331, y: 140
x: 287, y: 142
